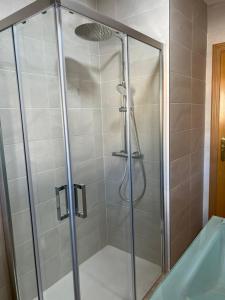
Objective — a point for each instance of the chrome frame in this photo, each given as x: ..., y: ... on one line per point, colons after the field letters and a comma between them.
x: 71, y: 194
x: 40, y: 5
x: 25, y: 13
x: 7, y: 222
x: 33, y: 9
x: 165, y: 225
x: 28, y: 167
x: 129, y: 162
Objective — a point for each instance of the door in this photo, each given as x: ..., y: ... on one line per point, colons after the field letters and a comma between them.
x: 114, y: 109
x: 99, y: 154
x: 217, y: 163
x: 37, y: 160
x: 146, y: 150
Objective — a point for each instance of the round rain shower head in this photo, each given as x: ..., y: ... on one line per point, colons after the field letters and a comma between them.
x: 93, y: 32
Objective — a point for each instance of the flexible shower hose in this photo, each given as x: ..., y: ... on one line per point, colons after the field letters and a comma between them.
x: 124, y: 182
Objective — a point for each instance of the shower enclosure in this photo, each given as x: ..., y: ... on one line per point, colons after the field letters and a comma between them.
x: 81, y: 154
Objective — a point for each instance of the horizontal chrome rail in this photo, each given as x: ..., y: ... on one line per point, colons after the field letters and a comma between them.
x: 40, y: 5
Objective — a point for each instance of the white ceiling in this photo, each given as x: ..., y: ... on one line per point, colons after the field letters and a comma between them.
x: 211, y: 2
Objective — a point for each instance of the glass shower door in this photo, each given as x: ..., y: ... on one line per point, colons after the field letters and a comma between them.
x: 95, y: 83
x: 44, y: 137
x: 14, y: 195
x: 146, y: 148
x: 90, y: 150
x: 115, y: 133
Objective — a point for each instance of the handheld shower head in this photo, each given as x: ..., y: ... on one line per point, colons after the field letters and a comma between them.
x: 121, y: 89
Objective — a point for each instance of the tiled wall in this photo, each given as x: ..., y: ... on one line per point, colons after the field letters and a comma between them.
x: 146, y: 95
x: 216, y: 34
x: 149, y: 17
x: 188, y: 27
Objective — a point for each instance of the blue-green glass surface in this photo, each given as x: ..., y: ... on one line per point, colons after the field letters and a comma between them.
x: 200, y: 272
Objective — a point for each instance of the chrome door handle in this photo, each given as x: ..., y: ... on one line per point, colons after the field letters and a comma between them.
x: 61, y: 217
x: 81, y: 213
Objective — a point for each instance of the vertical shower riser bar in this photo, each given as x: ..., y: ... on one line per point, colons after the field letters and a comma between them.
x: 28, y: 168
x: 71, y: 202
x: 129, y: 161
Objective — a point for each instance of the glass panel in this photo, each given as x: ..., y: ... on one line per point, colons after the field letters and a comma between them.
x: 144, y: 64
x: 15, y: 169
x: 93, y: 55
x: 39, y: 74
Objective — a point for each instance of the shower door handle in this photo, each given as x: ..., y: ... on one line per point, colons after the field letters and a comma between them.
x: 61, y: 217
x: 80, y: 213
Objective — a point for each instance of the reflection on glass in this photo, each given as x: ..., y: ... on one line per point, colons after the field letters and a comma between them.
x: 94, y: 70
x: 144, y: 63
x: 38, y: 59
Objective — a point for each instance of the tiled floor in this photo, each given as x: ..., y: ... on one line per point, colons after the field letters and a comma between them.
x: 106, y: 276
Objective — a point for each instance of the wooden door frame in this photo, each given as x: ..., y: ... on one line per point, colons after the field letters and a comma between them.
x: 215, y: 111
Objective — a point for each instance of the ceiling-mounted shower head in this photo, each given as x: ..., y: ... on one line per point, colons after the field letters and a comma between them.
x: 93, y: 32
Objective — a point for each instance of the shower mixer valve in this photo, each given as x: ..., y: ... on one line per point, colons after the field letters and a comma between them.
x: 124, y: 154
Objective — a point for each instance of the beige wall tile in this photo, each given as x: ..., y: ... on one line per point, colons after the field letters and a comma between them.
x: 179, y: 245
x: 180, y: 117
x: 180, y: 88
x: 197, y: 139
x: 199, y: 40
x: 181, y: 28
x: 198, y: 66
x: 197, y: 162
x: 180, y: 58
x: 197, y: 115
x: 198, y: 91
x: 179, y: 171
x: 184, y: 6
x: 180, y: 143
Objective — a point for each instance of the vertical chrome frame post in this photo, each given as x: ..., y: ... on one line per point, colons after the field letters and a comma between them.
x: 71, y: 196
x: 164, y: 200
x: 7, y: 221
x: 129, y: 161
x: 28, y: 167
x: 164, y: 209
